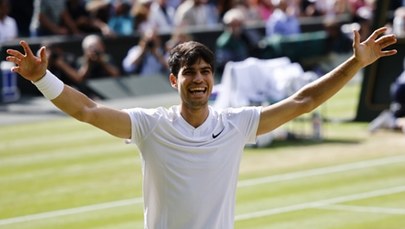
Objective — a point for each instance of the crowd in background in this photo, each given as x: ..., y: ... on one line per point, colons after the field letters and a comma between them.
x: 125, y: 17
x: 95, y: 19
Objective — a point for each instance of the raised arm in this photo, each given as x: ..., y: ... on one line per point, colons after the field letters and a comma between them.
x: 67, y: 99
x: 317, y: 92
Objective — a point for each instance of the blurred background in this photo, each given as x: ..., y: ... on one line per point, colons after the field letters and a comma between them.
x: 340, y: 166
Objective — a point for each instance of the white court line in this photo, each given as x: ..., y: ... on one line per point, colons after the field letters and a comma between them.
x: 322, y: 171
x: 71, y: 211
x: 369, y: 209
x: 320, y: 203
x: 243, y: 183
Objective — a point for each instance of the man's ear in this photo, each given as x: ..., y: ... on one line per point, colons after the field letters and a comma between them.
x: 173, y: 81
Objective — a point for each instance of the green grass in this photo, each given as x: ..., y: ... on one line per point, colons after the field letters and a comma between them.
x: 343, y: 105
x: 66, y: 174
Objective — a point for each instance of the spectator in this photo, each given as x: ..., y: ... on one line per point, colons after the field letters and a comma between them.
x: 99, y: 10
x: 174, y: 3
x: 147, y: 58
x: 398, y: 96
x: 63, y: 63
x: 332, y: 8
x: 21, y: 11
x: 95, y: 62
x: 85, y: 22
x: 196, y: 13
x: 364, y: 17
x: 337, y: 41
x: 398, y: 26
x: 341, y: 7
x: 266, y: 8
x: 153, y: 15
x: 161, y: 14
x: 179, y: 36
x: 8, y: 26
x: 121, y: 22
x: 250, y: 10
x: 308, y: 9
x: 283, y: 21
x: 355, y: 5
x: 223, y: 6
x: 394, y: 117
x: 51, y: 17
x: 141, y: 14
x: 337, y: 46
x: 234, y: 44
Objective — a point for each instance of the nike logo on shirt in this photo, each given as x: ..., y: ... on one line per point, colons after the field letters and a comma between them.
x: 216, y: 135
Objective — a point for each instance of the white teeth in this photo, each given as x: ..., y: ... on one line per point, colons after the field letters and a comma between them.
x: 197, y: 89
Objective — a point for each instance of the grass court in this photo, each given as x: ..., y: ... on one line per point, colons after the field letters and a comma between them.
x: 64, y: 174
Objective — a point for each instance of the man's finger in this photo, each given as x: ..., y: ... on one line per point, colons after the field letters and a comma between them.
x: 26, y: 48
x: 42, y: 54
x: 387, y: 40
x: 356, y: 38
x: 389, y: 52
x: 377, y: 33
x: 13, y: 59
x: 16, y: 69
x: 15, y: 53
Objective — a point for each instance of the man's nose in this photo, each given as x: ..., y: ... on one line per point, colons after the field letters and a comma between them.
x: 198, y: 77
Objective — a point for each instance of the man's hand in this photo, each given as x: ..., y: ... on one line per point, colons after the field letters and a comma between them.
x: 371, y: 49
x: 28, y: 65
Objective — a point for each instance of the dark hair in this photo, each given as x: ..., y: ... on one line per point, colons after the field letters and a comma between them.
x: 187, y: 54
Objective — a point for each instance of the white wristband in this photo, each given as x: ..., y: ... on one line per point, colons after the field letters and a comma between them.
x: 50, y: 85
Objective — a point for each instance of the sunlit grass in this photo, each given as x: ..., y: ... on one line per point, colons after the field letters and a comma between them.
x: 64, y: 165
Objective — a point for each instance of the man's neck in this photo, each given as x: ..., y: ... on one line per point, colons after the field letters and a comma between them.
x: 194, y: 117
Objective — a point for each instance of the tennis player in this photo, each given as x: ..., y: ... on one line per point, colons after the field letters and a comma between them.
x: 191, y: 152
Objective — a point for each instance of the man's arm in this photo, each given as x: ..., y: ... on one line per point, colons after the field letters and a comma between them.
x: 69, y: 100
x: 317, y: 92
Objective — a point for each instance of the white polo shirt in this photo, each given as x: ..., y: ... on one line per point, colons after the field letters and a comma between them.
x: 190, y: 174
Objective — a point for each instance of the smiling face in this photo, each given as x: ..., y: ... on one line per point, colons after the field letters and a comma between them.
x: 192, y: 74
x: 194, y: 84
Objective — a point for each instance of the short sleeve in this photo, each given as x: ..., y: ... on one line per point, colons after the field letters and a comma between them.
x: 246, y: 119
x: 143, y: 121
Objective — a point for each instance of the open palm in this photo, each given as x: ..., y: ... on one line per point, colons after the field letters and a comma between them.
x: 372, y: 48
x: 28, y: 65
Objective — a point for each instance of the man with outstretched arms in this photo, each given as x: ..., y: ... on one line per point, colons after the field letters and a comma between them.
x: 191, y: 152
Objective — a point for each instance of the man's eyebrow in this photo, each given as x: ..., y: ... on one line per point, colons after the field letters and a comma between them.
x: 206, y: 67
x: 193, y: 68
x: 188, y: 69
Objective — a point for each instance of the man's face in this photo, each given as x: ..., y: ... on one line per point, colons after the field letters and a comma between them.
x: 194, y: 84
